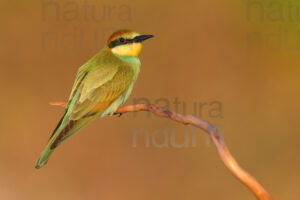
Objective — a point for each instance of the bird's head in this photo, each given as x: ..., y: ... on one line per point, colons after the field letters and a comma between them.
x: 126, y: 43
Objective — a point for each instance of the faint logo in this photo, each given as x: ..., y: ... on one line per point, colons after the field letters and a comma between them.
x: 72, y: 14
x: 279, y: 15
x: 169, y: 136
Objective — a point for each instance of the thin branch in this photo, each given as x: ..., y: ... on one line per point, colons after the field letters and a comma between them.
x: 258, y: 190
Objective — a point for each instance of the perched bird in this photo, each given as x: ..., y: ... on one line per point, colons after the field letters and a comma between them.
x: 102, y: 85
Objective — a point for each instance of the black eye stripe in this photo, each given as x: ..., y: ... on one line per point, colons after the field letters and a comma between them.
x: 122, y: 40
x: 117, y: 42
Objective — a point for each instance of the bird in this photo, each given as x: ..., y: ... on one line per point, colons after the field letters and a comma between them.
x: 101, y: 85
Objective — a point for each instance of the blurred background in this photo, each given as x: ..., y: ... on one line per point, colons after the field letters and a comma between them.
x: 235, y: 64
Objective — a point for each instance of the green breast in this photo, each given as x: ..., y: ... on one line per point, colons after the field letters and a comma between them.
x: 135, y: 63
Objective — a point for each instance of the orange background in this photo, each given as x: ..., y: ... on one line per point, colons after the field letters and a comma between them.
x: 200, y: 53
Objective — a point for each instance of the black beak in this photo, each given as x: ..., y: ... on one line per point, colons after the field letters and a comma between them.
x: 141, y: 38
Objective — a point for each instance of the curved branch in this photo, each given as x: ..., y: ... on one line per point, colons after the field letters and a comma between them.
x: 258, y: 190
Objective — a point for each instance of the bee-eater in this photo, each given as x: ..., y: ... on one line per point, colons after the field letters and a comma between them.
x: 102, y: 85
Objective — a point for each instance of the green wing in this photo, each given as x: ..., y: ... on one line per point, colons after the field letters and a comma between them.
x: 101, y: 87
x: 98, y: 84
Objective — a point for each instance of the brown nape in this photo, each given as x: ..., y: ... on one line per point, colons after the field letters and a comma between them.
x: 63, y: 133
x: 117, y: 34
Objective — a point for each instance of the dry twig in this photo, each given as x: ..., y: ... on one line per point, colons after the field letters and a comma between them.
x: 258, y: 190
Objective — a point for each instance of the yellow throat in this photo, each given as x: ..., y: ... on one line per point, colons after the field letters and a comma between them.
x: 132, y: 50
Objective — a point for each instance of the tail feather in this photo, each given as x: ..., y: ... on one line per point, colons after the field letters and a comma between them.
x: 43, y: 159
x: 61, y: 135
